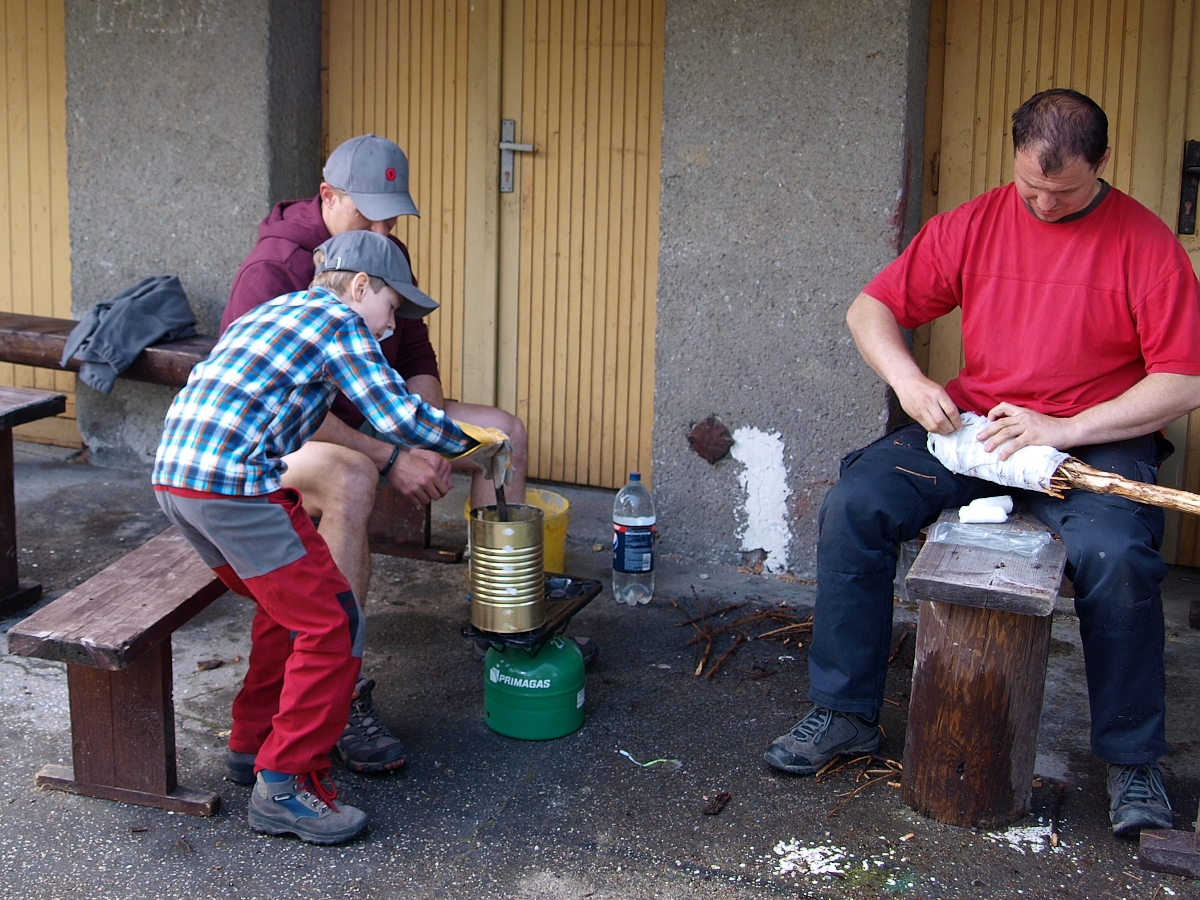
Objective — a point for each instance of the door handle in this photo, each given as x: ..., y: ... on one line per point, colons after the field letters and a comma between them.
x: 508, y: 131
x: 1188, y: 187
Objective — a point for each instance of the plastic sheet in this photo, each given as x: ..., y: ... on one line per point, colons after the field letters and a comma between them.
x: 1022, y: 541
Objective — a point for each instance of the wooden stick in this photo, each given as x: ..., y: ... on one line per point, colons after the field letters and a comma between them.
x: 738, y: 641
x: 709, y: 615
x: 1075, y: 473
x: 806, y: 626
x: 501, y: 505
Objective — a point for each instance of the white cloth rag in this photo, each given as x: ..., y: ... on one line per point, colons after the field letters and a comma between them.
x: 1030, y: 468
x: 986, y: 510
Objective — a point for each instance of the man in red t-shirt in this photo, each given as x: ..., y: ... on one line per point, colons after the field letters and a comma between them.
x: 365, y: 188
x: 1081, y: 330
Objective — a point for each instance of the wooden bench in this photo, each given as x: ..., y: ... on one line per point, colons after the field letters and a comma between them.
x: 983, y: 638
x: 114, y: 634
x: 398, y: 527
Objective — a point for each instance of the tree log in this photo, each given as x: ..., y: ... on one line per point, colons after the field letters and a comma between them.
x: 973, y: 717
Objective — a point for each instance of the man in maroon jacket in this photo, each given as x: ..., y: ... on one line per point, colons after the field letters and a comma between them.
x: 365, y: 188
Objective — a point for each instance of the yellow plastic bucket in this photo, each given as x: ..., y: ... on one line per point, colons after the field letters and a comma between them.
x: 556, y: 510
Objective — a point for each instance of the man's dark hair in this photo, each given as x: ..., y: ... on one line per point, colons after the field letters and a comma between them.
x: 1061, y: 125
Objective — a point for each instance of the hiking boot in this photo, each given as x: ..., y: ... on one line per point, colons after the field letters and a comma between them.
x: 366, y: 746
x: 303, y: 805
x: 1137, y: 798
x: 239, y: 767
x: 820, y: 736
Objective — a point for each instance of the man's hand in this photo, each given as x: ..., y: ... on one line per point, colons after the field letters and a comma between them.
x: 929, y: 404
x: 420, y: 475
x: 879, y: 339
x: 1013, y: 427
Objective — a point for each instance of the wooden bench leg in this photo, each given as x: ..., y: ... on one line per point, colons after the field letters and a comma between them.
x: 398, y: 527
x: 977, y: 689
x: 123, y: 737
x: 15, y: 593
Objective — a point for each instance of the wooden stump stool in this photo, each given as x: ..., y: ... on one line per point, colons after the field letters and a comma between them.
x: 983, y: 636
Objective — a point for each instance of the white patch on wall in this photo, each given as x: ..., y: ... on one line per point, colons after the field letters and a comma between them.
x: 764, y: 479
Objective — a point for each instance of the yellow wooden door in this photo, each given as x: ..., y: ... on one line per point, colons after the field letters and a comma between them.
x: 1137, y: 58
x: 547, y: 292
x: 35, y: 254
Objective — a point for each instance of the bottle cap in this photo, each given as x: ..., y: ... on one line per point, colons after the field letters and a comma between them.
x: 635, y: 476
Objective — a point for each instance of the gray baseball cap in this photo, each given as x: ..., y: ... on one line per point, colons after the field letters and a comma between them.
x: 366, y: 251
x: 374, y: 172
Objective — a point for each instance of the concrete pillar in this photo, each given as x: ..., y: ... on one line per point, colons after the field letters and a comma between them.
x: 789, y: 127
x: 186, y: 121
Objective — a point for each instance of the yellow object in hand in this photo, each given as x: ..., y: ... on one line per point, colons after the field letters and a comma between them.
x: 493, y: 451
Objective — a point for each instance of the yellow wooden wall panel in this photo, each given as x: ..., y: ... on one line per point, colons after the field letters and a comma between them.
x: 35, y: 261
x: 575, y: 342
x: 398, y: 68
x: 1137, y: 59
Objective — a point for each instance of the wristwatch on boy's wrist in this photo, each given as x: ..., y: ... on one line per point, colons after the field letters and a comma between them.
x: 391, y: 460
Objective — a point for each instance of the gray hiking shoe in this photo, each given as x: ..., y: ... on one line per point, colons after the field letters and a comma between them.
x: 366, y: 746
x: 303, y: 805
x: 819, y: 737
x: 239, y: 767
x: 1137, y: 798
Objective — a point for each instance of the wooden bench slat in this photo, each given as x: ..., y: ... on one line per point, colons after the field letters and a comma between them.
x: 398, y: 526
x: 122, y: 611
x: 40, y: 341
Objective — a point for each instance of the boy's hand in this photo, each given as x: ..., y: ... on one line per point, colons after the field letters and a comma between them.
x: 493, y: 451
x: 420, y: 475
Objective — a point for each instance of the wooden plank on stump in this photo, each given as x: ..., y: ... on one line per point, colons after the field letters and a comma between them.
x: 973, y: 717
x: 987, y: 578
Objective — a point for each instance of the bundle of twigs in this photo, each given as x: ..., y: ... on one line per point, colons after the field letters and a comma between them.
x: 783, y: 625
x: 1075, y: 473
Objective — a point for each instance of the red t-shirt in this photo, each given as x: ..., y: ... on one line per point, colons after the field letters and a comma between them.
x: 1056, y: 317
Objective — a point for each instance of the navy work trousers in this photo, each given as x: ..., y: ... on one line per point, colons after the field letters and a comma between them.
x: 893, y: 488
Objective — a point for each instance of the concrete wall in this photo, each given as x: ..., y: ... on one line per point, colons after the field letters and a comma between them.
x: 186, y: 120
x: 788, y: 126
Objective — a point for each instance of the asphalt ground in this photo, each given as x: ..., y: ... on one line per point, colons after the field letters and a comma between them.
x: 474, y: 814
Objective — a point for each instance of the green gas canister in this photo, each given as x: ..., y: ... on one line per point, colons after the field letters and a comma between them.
x: 534, y: 697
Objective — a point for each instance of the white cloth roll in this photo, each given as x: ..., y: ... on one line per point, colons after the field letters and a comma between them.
x: 1030, y: 468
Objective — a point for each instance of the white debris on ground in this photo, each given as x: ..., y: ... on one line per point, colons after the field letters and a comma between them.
x: 822, y: 859
x: 808, y: 860
x: 1030, y: 838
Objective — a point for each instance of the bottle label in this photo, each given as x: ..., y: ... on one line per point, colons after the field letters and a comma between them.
x: 633, y: 548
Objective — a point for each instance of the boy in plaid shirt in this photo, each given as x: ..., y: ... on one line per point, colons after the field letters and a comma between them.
x: 260, y: 395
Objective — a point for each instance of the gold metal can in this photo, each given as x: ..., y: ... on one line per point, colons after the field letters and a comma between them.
x: 508, y: 591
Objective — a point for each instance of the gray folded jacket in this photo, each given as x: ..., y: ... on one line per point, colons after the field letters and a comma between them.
x: 109, y: 338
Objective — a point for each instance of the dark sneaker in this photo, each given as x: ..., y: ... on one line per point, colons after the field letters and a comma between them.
x: 589, y: 648
x: 1137, y: 798
x: 819, y: 737
x: 239, y: 767
x: 303, y: 805
x: 366, y: 746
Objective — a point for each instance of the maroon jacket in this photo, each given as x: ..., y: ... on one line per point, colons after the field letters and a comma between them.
x: 281, y: 262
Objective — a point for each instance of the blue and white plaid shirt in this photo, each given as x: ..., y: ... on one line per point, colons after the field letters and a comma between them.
x: 266, y: 387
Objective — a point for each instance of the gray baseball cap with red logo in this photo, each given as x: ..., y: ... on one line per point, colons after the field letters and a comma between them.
x: 374, y: 172
x: 366, y: 251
